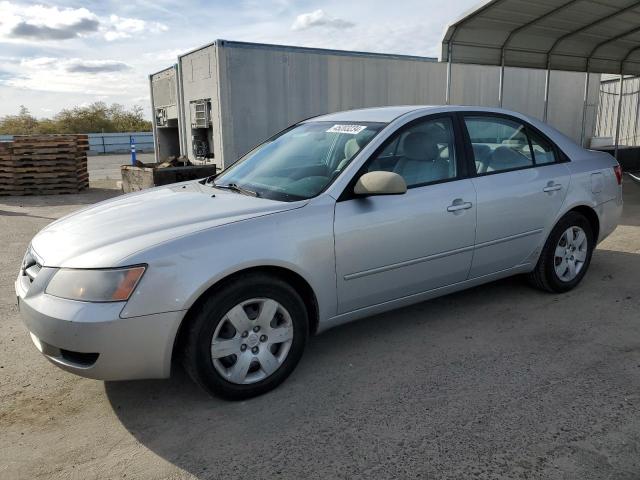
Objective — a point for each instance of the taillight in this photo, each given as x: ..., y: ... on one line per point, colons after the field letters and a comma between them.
x: 618, y: 170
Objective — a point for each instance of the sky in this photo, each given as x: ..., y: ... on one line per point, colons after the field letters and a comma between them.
x: 60, y: 54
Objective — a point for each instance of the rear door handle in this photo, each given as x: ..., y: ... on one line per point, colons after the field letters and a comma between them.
x: 552, y: 188
x: 456, y: 207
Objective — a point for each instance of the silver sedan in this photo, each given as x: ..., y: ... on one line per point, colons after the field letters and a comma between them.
x: 334, y: 219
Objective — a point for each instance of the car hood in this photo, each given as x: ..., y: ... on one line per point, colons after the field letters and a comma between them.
x: 105, y: 234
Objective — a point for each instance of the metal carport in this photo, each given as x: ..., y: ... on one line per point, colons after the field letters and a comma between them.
x: 588, y: 36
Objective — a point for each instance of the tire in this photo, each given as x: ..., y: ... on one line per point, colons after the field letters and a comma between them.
x: 545, y: 276
x: 221, y: 313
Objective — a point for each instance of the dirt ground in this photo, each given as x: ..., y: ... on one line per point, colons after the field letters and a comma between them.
x: 500, y: 381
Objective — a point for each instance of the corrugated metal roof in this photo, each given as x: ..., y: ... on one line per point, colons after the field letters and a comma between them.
x: 576, y: 35
x: 320, y: 51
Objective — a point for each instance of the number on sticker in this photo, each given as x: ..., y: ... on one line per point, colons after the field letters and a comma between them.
x: 350, y: 129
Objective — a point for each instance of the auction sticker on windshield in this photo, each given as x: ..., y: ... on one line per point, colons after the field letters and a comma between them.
x: 351, y: 129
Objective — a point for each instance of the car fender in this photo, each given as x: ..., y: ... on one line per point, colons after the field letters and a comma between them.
x: 299, y: 240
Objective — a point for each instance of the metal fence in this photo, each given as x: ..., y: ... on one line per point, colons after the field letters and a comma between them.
x: 100, y: 143
x: 629, y: 107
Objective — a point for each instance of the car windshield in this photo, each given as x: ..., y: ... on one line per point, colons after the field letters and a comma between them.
x: 300, y: 162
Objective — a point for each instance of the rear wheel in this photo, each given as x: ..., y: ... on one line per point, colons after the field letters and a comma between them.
x: 246, y: 337
x: 566, y: 255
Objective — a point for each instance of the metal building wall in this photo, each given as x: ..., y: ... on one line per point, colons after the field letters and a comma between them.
x: 524, y: 93
x: 265, y: 88
x: 198, y: 71
x: 164, y: 94
x: 164, y: 90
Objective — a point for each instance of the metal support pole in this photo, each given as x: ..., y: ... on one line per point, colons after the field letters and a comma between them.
x: 546, y: 93
x: 584, y: 108
x: 615, y: 153
x: 501, y: 90
x: 637, y: 138
x: 448, y: 93
x: 182, y: 129
x: 154, y: 121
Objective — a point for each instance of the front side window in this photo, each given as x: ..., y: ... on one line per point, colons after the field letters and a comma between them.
x: 422, y: 153
x: 498, y: 144
x: 300, y: 162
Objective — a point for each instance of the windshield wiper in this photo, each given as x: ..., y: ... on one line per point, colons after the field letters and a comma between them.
x: 236, y: 188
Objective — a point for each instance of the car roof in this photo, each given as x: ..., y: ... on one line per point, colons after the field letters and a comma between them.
x: 390, y: 113
x: 375, y: 114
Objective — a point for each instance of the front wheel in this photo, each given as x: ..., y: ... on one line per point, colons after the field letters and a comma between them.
x: 566, y: 255
x: 246, y: 337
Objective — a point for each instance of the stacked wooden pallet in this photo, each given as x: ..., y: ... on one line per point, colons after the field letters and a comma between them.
x: 44, y: 164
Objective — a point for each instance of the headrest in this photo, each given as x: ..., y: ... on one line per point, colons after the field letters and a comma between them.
x: 363, y: 137
x: 351, y: 147
x: 504, y: 158
x: 437, y: 133
x: 480, y: 150
x: 419, y: 146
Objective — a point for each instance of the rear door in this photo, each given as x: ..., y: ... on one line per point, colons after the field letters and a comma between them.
x: 394, y: 246
x: 521, y: 182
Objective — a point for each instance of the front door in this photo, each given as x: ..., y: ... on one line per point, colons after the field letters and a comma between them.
x: 389, y: 247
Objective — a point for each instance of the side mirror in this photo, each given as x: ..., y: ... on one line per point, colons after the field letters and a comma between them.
x: 380, y: 183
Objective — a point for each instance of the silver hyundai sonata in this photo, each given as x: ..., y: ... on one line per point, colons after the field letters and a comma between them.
x: 336, y: 218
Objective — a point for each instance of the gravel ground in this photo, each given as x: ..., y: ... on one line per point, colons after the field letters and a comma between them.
x: 500, y: 381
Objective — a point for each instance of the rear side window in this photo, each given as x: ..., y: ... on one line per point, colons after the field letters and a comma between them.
x: 543, y: 151
x: 498, y: 144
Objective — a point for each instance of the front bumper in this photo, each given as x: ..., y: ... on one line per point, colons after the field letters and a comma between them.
x: 91, y: 340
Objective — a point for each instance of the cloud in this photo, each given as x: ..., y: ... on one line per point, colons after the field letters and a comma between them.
x: 4, y: 76
x: 39, y: 62
x: 69, y: 75
x: 96, y: 66
x: 40, y: 22
x: 318, y: 18
x: 167, y: 55
x: 44, y: 32
x: 123, y: 27
x: 37, y: 23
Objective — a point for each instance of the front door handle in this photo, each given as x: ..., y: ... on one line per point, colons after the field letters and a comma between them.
x: 458, y: 205
x: 552, y: 187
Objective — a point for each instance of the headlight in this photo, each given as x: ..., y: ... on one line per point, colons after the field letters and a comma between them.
x: 112, y: 285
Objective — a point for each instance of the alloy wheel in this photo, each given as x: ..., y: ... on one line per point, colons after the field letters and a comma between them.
x: 571, y: 253
x: 252, y: 341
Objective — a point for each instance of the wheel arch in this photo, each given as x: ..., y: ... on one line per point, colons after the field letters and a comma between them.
x: 585, y: 210
x: 591, y: 215
x: 294, y: 279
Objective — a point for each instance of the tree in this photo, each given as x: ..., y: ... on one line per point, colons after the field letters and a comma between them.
x: 128, y: 121
x: 95, y: 118
x: 23, y: 123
